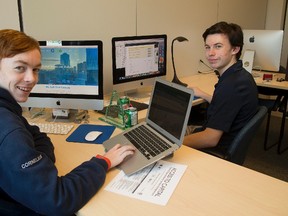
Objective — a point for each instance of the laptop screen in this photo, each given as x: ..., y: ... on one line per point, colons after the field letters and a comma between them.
x: 168, y: 108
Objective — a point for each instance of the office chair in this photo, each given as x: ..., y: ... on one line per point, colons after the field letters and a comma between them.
x: 282, y: 109
x: 236, y: 153
x: 278, y: 104
x: 271, y: 105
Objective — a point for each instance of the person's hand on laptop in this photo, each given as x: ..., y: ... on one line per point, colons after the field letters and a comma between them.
x: 118, y: 153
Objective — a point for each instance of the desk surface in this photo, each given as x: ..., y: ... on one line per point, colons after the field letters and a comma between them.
x: 210, y: 186
x: 207, y: 81
x: 273, y: 83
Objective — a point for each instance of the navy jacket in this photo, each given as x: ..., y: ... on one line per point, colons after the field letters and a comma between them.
x: 29, y: 181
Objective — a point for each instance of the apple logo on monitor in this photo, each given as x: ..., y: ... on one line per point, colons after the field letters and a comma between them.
x: 58, y: 103
x: 252, y: 39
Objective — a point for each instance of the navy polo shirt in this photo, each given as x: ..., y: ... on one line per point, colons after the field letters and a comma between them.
x: 234, y: 103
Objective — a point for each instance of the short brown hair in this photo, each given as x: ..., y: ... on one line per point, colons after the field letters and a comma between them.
x: 13, y: 42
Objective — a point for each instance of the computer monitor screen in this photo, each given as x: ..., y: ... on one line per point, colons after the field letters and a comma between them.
x: 71, y: 76
x: 137, y: 60
x: 267, y: 46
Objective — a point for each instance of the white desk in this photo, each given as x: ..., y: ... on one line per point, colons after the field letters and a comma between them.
x: 210, y: 186
x: 273, y: 83
x: 205, y: 82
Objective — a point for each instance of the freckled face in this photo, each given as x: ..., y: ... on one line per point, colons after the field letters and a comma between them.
x: 219, y: 52
x: 19, y: 74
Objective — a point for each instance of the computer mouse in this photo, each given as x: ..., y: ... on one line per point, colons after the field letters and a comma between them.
x: 92, y: 135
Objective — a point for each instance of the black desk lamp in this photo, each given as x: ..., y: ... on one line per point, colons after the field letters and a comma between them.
x: 175, y: 78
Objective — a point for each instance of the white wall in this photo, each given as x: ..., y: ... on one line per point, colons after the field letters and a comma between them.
x: 284, y: 57
x: 275, y: 14
x: 86, y: 19
x: 9, y: 14
x: 190, y: 19
x: 275, y: 20
x: 249, y: 14
x: 182, y: 19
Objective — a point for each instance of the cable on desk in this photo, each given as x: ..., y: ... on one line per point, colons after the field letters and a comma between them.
x: 36, y: 114
x: 82, y: 116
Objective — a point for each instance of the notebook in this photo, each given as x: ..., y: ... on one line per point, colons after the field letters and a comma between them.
x: 167, y: 118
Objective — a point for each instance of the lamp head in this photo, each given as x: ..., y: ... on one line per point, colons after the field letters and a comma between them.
x: 181, y: 39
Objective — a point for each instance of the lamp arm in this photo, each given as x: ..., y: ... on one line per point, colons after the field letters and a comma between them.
x: 175, y: 78
x: 172, y: 56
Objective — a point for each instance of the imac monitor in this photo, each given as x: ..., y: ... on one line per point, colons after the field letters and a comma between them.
x: 137, y: 60
x: 265, y: 46
x: 71, y: 76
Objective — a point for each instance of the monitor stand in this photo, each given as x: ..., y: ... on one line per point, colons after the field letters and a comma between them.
x: 74, y: 115
x: 68, y: 115
x: 138, y: 94
x: 61, y: 113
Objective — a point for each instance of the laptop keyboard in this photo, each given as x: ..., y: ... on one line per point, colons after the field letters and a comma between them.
x: 146, y: 142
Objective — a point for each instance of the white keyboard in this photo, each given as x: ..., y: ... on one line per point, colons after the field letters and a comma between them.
x: 54, y: 128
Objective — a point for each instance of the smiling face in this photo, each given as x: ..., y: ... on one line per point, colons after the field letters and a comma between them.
x: 19, y: 74
x: 219, y: 52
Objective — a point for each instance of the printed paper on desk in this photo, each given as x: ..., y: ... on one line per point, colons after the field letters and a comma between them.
x: 154, y: 183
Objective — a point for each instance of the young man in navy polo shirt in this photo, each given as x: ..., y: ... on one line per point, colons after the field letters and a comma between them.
x: 235, y: 98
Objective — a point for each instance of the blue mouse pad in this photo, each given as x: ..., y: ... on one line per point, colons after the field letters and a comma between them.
x: 79, y: 134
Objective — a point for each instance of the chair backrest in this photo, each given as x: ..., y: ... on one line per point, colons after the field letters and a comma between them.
x: 286, y: 71
x: 238, y: 149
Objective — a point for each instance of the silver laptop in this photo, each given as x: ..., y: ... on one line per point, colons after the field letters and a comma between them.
x: 166, y: 119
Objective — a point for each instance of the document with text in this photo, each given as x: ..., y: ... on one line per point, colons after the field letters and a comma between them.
x: 154, y: 183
